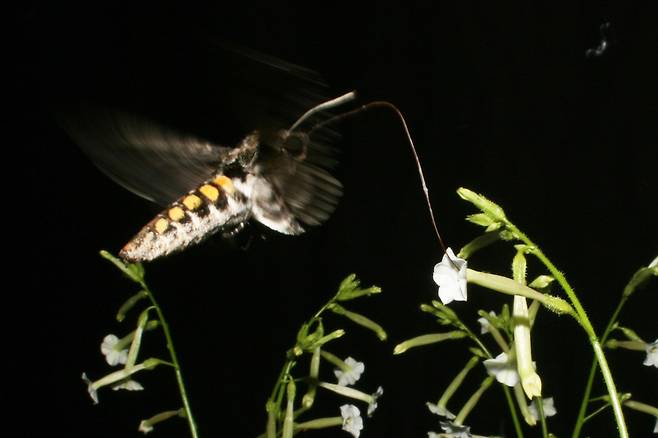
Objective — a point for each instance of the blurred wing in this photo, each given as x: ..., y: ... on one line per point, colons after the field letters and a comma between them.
x: 156, y: 163
x: 300, y: 186
x: 264, y: 92
x: 270, y: 95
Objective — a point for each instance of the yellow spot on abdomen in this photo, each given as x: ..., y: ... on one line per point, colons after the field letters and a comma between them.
x: 176, y: 214
x: 161, y: 225
x: 225, y: 183
x: 192, y: 202
x: 209, y: 192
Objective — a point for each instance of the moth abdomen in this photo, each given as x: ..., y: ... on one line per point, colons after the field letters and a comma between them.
x: 216, y: 204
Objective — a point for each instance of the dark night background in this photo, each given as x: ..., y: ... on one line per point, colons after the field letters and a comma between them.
x: 499, y: 98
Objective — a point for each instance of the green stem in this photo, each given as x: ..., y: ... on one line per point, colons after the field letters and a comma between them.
x: 539, y: 403
x: 508, y: 396
x: 580, y: 420
x: 587, y: 326
x: 473, y: 400
x: 512, y: 410
x: 174, y: 360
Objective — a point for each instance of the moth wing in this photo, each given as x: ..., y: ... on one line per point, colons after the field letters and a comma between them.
x: 154, y: 162
x: 294, y: 187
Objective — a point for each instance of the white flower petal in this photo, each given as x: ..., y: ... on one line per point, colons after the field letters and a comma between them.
x: 455, y: 431
x: 450, y: 276
x: 90, y: 388
x: 655, y: 428
x: 350, y: 377
x: 145, y: 427
x: 439, y: 410
x: 503, y: 369
x: 373, y: 405
x: 128, y: 385
x: 485, y: 324
x: 108, y: 343
x: 652, y: 354
x: 352, y: 421
x: 112, y: 355
x: 547, y: 406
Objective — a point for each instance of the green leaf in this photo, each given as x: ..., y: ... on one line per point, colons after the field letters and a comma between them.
x: 541, y: 282
x: 137, y: 338
x: 491, y: 209
x: 630, y: 334
x: 477, y: 352
x: 519, y: 266
x: 349, y: 289
x: 508, y: 236
x: 477, y: 244
x: 493, y: 227
x: 349, y: 283
x: 324, y: 339
x: 306, y: 337
x: 445, y: 310
x: 640, y: 278
x: 479, y: 219
x: 360, y: 320
x: 129, y: 304
x: 134, y: 271
x: 430, y: 338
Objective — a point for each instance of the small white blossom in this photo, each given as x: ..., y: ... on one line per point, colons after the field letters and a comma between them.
x: 455, y: 431
x: 503, y: 369
x: 440, y: 410
x: 652, y: 354
x: 547, y: 406
x: 450, y: 276
x: 349, y: 377
x: 128, y: 385
x: 113, y: 356
x: 485, y: 324
x: 352, y: 421
x: 90, y: 388
x: 373, y: 404
x: 145, y: 427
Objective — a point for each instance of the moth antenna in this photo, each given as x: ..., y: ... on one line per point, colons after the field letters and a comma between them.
x: 324, y: 106
x: 383, y: 104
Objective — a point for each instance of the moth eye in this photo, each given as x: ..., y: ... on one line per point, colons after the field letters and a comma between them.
x: 295, y: 145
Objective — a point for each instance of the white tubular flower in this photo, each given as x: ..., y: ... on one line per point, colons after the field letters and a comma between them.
x: 547, y: 406
x: 454, y: 431
x: 145, y: 427
x: 485, y: 324
x: 91, y: 388
x: 128, y: 385
x: 113, y: 356
x: 450, y: 276
x: 349, y: 377
x: 655, y: 428
x: 530, y: 380
x: 352, y: 421
x: 373, y: 404
x: 440, y: 410
x: 503, y: 369
x: 652, y: 354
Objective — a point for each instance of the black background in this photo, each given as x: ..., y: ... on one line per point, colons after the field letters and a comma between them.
x: 500, y: 98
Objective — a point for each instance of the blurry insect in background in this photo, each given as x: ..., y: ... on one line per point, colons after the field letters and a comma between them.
x: 606, y: 39
x: 278, y: 175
